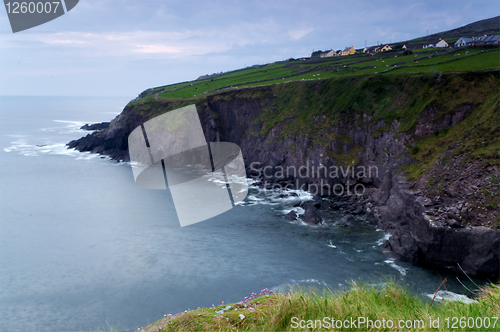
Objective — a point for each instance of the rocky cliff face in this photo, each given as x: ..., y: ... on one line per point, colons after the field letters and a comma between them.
x: 429, y: 226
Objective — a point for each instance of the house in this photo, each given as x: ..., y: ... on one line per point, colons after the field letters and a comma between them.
x: 348, y: 51
x: 383, y: 48
x: 463, y: 41
x: 375, y: 49
x: 339, y: 52
x: 493, y: 39
x: 482, y: 40
x: 323, y: 54
x: 332, y: 53
x: 370, y: 49
x: 478, y: 40
x: 436, y: 43
x: 327, y: 54
x: 442, y: 43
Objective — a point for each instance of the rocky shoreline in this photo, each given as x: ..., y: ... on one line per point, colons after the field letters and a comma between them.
x: 443, y: 240
x: 447, y: 226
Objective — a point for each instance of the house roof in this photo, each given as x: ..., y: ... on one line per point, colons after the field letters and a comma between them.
x: 464, y: 40
x: 492, y: 38
x: 476, y: 39
x: 479, y: 38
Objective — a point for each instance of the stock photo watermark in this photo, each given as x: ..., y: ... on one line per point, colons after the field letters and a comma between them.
x: 25, y: 15
x: 320, y: 173
x: 461, y: 323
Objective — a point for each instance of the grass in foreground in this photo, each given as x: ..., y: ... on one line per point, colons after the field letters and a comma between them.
x: 391, y: 305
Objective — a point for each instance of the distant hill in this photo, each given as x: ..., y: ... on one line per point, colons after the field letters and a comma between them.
x: 490, y: 26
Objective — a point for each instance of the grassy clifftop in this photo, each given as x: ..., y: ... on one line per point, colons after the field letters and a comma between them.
x: 391, y: 308
x: 388, y: 86
x: 400, y: 96
x: 385, y: 63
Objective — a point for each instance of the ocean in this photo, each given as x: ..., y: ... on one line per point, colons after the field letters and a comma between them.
x: 82, y: 247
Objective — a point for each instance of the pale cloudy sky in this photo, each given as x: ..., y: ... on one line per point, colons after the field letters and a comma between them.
x: 122, y: 47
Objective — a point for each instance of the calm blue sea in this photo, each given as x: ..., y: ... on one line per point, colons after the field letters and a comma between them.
x: 83, y: 248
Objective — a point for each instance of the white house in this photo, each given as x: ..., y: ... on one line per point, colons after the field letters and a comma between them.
x: 436, y: 43
x: 463, y: 41
x: 442, y: 43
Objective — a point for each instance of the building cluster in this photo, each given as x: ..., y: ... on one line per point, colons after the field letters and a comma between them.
x: 345, y: 51
x: 376, y: 49
x: 428, y: 44
x: 461, y: 42
x: 477, y: 41
x: 351, y: 50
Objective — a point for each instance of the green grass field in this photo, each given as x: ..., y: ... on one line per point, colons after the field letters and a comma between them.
x: 428, y: 60
x: 444, y: 63
x: 479, y: 61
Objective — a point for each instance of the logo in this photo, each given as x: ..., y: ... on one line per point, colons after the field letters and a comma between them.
x: 170, y: 150
x: 25, y: 15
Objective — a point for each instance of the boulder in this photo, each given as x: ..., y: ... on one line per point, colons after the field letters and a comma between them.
x: 317, y: 201
x: 292, y: 215
x: 311, y: 214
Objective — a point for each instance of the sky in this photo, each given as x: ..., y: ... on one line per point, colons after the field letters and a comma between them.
x: 122, y: 47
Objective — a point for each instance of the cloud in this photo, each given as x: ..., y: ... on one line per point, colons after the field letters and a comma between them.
x: 171, y: 44
x: 297, y: 34
x: 67, y: 41
x: 156, y: 48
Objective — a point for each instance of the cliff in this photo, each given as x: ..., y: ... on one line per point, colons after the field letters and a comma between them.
x: 432, y: 142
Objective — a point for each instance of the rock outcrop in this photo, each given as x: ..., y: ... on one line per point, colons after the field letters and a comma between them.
x: 95, y: 126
